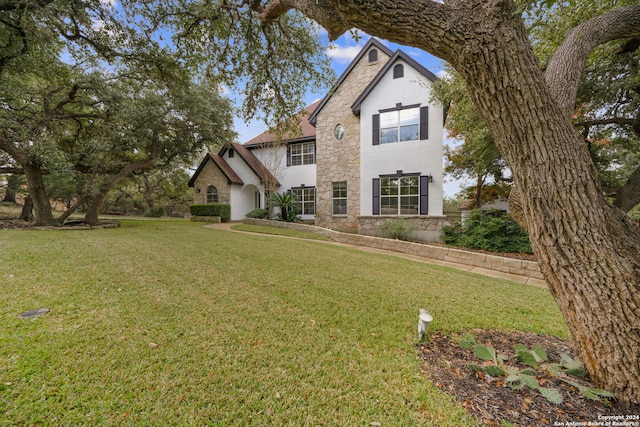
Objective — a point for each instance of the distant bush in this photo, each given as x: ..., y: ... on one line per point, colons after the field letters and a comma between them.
x: 258, y: 213
x: 156, y: 212
x: 396, y: 228
x: 222, y: 210
x: 489, y: 230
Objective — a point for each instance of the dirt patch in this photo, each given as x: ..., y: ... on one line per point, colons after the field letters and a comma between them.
x: 493, y: 402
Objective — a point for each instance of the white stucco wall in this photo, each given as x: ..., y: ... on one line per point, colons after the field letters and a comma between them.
x: 288, y: 176
x: 424, y: 157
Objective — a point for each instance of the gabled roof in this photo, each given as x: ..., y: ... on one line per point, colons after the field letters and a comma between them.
x: 307, y: 130
x: 253, y: 162
x: 390, y: 63
x: 222, y: 165
x: 370, y: 43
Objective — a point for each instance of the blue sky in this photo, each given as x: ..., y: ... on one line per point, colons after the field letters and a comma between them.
x: 344, y: 50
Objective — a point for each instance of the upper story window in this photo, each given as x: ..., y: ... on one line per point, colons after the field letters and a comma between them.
x: 212, y: 194
x: 401, y: 125
x: 398, y: 71
x: 301, y: 154
x: 373, y: 55
x: 231, y: 153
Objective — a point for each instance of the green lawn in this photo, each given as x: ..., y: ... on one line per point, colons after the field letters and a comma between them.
x: 170, y: 323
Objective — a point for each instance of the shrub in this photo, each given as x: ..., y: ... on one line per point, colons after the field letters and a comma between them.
x: 490, y: 230
x: 155, y: 212
x: 258, y: 213
x: 222, y: 210
x: 396, y: 228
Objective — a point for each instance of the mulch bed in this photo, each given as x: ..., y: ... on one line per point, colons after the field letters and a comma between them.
x: 16, y: 224
x: 491, y: 401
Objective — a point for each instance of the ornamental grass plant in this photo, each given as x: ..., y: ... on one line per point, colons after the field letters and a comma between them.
x: 171, y: 323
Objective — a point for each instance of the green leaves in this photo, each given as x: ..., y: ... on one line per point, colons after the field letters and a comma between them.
x: 485, y: 353
x: 537, y: 360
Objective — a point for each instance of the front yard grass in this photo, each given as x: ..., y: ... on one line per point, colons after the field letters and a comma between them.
x: 277, y: 231
x: 171, y: 323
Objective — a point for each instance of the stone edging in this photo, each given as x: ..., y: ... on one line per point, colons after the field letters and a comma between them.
x: 490, y: 262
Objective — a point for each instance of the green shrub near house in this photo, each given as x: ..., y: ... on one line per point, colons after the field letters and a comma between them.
x: 490, y: 230
x: 396, y: 228
x: 258, y: 213
x: 156, y: 212
x: 223, y: 210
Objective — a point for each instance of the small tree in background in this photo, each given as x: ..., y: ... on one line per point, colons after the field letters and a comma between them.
x: 286, y: 203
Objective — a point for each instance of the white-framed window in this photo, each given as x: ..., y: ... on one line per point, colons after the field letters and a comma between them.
x: 400, y: 195
x: 400, y: 125
x: 306, y: 200
x: 340, y: 198
x: 212, y: 194
x: 301, y: 154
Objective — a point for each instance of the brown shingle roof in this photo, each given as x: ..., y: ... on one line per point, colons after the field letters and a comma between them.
x: 308, y: 131
x: 222, y: 165
x: 256, y: 165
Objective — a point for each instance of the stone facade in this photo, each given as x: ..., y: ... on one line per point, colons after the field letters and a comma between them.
x: 426, y: 228
x: 339, y: 160
x: 211, y: 175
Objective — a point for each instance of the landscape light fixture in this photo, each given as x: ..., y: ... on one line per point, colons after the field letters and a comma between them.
x: 423, y: 323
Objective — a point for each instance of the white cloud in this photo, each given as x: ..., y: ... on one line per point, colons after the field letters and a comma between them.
x: 111, y: 3
x: 343, y: 53
x: 224, y: 89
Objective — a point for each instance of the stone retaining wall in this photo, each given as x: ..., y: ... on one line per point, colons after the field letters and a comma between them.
x: 475, y: 259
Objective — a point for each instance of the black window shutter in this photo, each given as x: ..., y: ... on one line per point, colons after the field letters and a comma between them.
x: 376, y: 129
x: 424, y: 122
x: 288, y: 155
x: 424, y: 195
x: 376, y: 196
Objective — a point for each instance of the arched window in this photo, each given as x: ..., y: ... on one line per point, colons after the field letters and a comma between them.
x: 212, y: 194
x: 373, y: 55
x: 398, y: 71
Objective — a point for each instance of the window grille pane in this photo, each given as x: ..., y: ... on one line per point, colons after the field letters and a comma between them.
x: 409, y: 133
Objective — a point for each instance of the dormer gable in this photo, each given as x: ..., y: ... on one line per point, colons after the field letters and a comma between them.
x: 381, y: 54
x: 393, y: 65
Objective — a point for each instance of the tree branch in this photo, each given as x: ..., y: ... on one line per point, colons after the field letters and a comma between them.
x: 389, y: 19
x: 12, y: 170
x: 628, y: 196
x: 322, y: 11
x: 566, y: 65
x: 620, y: 121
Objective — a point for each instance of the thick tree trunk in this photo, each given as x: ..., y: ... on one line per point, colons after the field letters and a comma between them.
x: 588, y: 251
x: 96, y: 202
x: 43, y: 214
x: 13, y: 185
x: 95, y: 206
x: 27, y: 209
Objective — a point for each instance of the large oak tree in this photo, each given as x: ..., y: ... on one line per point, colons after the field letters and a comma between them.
x: 588, y: 250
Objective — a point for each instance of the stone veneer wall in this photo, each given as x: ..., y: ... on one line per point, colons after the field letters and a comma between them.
x: 475, y: 259
x: 211, y: 175
x: 339, y: 161
x: 426, y: 228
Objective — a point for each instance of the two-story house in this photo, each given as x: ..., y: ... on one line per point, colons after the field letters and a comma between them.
x: 371, y: 149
